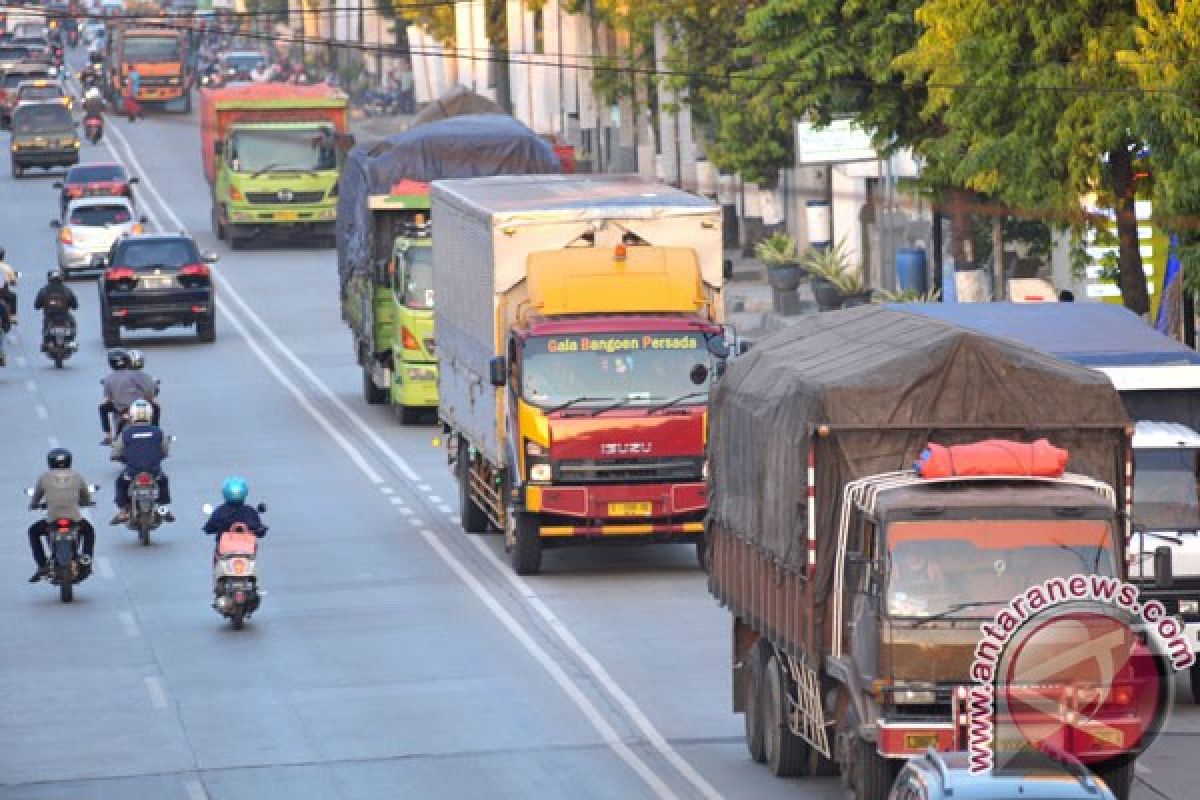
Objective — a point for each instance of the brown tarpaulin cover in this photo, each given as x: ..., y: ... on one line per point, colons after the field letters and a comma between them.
x: 883, y: 369
x: 457, y: 101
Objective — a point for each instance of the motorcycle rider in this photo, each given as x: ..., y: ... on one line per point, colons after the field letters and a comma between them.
x: 234, y: 510
x: 121, y: 388
x: 8, y: 287
x: 93, y: 106
x: 63, y: 490
x: 145, y: 381
x: 56, y: 301
x: 141, y: 446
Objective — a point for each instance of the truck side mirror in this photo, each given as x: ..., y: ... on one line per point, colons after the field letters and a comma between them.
x: 1164, y: 576
x: 134, y: 179
x: 218, y: 148
x: 498, y: 371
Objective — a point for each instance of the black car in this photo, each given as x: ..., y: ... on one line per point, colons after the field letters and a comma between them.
x: 156, y: 280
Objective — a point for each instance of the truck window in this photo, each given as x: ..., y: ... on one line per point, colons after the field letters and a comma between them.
x: 151, y: 49
x: 938, y: 565
x: 416, y: 288
x: 1164, y: 489
x: 640, y: 368
x: 294, y: 149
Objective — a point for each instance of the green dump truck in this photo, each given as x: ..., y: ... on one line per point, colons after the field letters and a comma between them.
x: 385, y: 247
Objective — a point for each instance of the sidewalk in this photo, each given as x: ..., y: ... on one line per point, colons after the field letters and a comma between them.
x: 748, y: 299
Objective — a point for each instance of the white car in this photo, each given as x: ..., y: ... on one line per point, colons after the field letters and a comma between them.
x: 89, y: 227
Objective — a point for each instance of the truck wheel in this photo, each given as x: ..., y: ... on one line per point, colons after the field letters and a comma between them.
x: 873, y: 774
x: 372, y: 393
x: 111, y: 334
x: 752, y: 702
x: 702, y: 552
x: 1119, y: 779
x: 236, y: 242
x: 408, y: 415
x: 473, y: 518
x: 526, y: 552
x: 1194, y: 675
x: 217, y: 228
x: 187, y: 102
x: 786, y: 753
x: 17, y: 170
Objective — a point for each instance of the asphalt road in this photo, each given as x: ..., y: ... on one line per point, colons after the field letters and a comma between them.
x: 394, y: 656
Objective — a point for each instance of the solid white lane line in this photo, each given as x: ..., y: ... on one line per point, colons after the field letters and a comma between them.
x: 552, y: 667
x: 154, y: 687
x: 129, y: 624
x: 41, y: 412
x: 103, y: 566
x: 382, y: 447
x: 195, y: 790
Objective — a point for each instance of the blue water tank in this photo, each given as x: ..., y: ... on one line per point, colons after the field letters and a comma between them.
x: 911, y: 270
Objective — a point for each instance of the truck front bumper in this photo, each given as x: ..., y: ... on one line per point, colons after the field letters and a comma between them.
x: 415, y: 384
x: 282, y: 215
x: 660, y: 510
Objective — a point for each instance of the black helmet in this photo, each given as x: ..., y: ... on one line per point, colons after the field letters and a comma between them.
x: 59, y: 458
x: 118, y: 359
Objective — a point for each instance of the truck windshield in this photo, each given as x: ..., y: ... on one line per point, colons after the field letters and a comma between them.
x: 636, y: 368
x: 968, y: 568
x: 296, y: 149
x: 1164, y: 492
x: 417, y: 291
x: 151, y: 49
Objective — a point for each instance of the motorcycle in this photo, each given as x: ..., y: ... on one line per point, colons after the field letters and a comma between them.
x: 145, y: 514
x: 235, y: 578
x: 65, y: 556
x: 93, y: 129
x: 58, y: 341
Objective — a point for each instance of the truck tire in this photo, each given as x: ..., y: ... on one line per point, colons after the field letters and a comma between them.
x: 408, y: 415
x: 786, y: 753
x: 372, y: 393
x: 752, y: 702
x: 206, y: 329
x: 526, y: 552
x: 702, y: 552
x: 472, y: 516
x: 217, y: 228
x: 186, y: 105
x: 1194, y: 675
x: 873, y: 774
x: 110, y: 332
x: 1119, y: 779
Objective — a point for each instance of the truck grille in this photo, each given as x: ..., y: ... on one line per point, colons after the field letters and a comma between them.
x: 283, y: 196
x: 629, y: 470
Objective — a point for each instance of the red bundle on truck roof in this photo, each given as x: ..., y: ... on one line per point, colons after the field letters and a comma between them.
x: 1038, y: 459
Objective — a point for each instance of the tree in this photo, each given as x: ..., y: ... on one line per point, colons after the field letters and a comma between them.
x: 1164, y: 61
x: 1033, y: 109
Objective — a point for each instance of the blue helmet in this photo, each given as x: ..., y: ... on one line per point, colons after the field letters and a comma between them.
x: 235, y: 490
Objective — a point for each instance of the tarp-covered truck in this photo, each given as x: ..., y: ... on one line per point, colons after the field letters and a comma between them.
x: 857, y: 588
x: 385, y: 253
x: 272, y: 153
x: 1159, y: 382
x: 578, y: 326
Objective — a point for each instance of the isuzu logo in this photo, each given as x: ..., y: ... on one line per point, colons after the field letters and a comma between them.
x: 626, y: 448
x: 285, y: 195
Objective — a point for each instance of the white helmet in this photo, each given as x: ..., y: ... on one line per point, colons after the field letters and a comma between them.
x: 141, y: 412
x: 92, y: 94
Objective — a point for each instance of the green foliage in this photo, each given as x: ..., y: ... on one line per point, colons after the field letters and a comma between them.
x: 834, y: 265
x: 907, y: 296
x: 777, y: 249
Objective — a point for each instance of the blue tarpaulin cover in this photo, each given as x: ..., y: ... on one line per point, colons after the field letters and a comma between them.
x: 1093, y: 334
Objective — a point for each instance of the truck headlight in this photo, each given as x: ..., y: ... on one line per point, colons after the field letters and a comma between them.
x: 541, y: 473
x: 911, y: 697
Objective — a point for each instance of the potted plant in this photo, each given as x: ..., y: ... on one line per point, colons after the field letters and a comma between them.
x: 778, y: 253
x: 837, y: 282
x: 908, y: 296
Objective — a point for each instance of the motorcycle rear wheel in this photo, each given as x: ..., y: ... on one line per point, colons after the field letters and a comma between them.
x: 237, y: 618
x: 66, y: 587
x: 143, y: 533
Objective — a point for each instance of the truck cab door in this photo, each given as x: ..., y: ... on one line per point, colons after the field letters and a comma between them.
x: 861, y: 595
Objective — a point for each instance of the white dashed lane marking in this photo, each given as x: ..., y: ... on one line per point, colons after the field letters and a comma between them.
x: 154, y: 687
x: 31, y: 386
x: 129, y: 624
x: 41, y: 412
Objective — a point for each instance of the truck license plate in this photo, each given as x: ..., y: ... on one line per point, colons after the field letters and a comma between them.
x: 285, y: 215
x: 630, y: 509
x: 920, y: 741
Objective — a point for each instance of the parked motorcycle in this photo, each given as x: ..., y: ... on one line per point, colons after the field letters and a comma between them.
x: 93, y: 129
x: 235, y: 578
x: 58, y: 340
x: 65, y: 554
